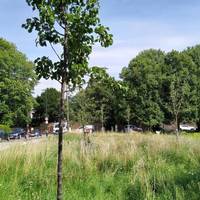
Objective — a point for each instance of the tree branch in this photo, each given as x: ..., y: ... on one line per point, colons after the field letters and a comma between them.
x: 55, y: 51
x: 60, y: 24
x: 59, y: 81
x: 59, y: 33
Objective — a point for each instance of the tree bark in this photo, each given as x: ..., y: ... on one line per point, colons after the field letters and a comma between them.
x: 60, y: 141
x: 64, y: 83
x: 67, y: 97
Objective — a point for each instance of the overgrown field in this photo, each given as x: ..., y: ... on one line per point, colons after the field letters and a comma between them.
x: 111, y: 166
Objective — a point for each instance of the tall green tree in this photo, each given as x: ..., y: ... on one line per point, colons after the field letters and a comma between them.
x: 101, y: 101
x: 194, y: 53
x: 181, y: 77
x: 17, y: 80
x: 144, y: 77
x: 74, y: 25
x: 107, y: 94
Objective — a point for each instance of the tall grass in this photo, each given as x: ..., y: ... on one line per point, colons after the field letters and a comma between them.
x: 110, y: 166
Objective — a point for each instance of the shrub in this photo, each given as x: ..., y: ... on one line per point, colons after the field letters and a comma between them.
x: 5, y: 128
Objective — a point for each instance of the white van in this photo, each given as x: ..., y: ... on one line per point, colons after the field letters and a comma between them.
x: 56, y: 127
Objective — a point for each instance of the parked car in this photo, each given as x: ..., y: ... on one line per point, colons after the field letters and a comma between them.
x: 131, y: 128
x: 17, y: 133
x: 186, y: 127
x: 36, y: 133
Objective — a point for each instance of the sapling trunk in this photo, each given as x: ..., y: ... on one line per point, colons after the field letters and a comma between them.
x: 60, y: 141
x: 62, y: 110
x: 81, y: 31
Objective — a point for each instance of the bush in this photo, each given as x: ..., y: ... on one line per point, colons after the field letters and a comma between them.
x: 6, y: 129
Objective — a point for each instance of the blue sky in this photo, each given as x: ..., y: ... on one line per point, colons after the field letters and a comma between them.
x: 135, y: 24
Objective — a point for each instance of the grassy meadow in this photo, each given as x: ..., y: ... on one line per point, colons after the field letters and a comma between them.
x: 111, y: 166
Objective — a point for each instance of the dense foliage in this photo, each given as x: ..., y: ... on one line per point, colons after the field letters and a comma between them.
x: 100, y: 103
x: 17, y: 80
x: 156, y: 88
x: 47, y: 106
x: 74, y: 26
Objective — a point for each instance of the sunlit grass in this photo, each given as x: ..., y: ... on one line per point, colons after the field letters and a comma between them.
x: 110, y: 166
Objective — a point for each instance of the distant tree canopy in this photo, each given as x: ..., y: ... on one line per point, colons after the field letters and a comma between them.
x: 163, y: 87
x: 17, y: 80
x: 157, y: 88
x: 144, y: 77
x: 194, y: 53
x: 102, y: 102
x: 47, y: 106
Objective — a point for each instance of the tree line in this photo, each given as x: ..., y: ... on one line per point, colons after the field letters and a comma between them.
x: 155, y: 88
x: 17, y: 81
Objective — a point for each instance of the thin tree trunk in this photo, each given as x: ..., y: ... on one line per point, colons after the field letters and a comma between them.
x: 64, y: 83
x: 60, y: 141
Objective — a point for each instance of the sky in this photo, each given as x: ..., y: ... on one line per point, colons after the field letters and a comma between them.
x: 136, y: 25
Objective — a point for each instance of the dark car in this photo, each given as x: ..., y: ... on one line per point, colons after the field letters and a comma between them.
x: 36, y: 133
x: 131, y: 128
x: 17, y: 133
